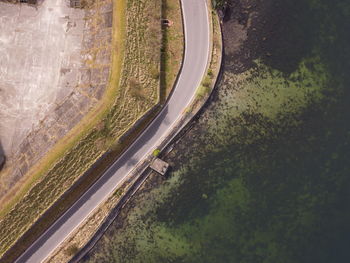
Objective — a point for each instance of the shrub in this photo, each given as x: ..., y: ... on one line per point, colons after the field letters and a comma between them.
x: 72, y: 250
x: 210, y: 73
x: 202, y: 91
x: 206, y: 82
x: 156, y: 152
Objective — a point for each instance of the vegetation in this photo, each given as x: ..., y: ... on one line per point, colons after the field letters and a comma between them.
x: 217, y: 4
x: 118, y: 192
x: 203, y: 91
x: 134, y: 89
x: 72, y: 250
x: 125, y: 105
x: 99, y: 254
x: 156, y: 152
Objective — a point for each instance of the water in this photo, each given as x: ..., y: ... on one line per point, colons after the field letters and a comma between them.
x: 264, y: 176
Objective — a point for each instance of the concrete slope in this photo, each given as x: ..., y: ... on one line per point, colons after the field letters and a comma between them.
x: 196, y: 24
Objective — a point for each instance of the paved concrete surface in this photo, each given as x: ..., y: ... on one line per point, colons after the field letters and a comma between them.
x: 54, y: 67
x: 159, y: 166
x: 39, y: 64
x: 196, y: 58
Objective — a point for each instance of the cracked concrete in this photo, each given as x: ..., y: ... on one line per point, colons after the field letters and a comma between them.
x: 54, y: 66
x: 40, y: 60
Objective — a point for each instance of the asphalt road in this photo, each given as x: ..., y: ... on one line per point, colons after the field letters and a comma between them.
x: 196, y: 24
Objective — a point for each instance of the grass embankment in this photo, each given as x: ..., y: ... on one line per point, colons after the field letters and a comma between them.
x: 93, y: 137
x: 134, y: 89
x: 117, y: 237
x: 171, y: 62
x: 172, y: 55
x: 171, y: 58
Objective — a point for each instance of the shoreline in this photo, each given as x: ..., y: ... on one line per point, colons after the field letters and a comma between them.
x: 238, y: 167
x: 198, y: 105
x: 152, y: 180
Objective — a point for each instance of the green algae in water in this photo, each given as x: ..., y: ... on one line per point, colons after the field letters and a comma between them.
x: 266, y: 93
x: 267, y: 178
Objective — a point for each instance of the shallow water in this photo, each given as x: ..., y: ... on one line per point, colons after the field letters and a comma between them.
x: 264, y: 176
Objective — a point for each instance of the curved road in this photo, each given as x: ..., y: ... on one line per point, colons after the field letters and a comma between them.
x: 196, y: 24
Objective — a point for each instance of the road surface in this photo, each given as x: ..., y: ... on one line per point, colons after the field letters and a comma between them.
x: 197, y: 49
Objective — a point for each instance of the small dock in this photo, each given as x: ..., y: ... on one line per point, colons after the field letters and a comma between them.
x: 159, y: 166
